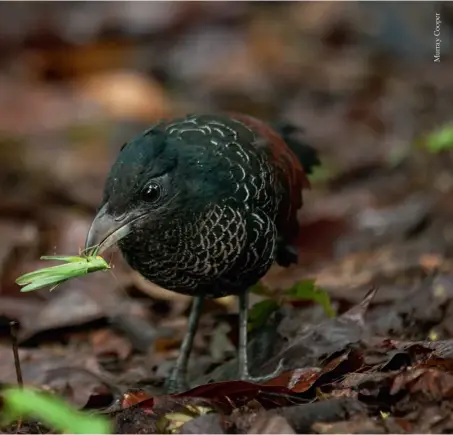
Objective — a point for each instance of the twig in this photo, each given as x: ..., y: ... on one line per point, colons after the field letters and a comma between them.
x: 13, y: 331
x: 20, y: 381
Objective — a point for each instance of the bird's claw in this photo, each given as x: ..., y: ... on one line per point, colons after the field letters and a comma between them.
x: 265, y: 378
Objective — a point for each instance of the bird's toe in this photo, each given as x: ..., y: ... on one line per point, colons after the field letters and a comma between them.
x: 246, y: 376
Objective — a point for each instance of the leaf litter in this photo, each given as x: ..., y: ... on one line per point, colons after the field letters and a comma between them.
x: 378, y: 217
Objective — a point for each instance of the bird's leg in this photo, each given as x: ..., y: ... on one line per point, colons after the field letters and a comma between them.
x: 177, y: 380
x: 242, y: 350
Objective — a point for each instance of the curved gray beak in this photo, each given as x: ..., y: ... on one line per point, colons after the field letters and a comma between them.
x: 105, y: 231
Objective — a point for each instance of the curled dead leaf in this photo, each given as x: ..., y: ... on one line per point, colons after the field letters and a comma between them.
x: 132, y: 398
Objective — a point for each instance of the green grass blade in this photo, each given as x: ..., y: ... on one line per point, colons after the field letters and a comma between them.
x: 52, y: 411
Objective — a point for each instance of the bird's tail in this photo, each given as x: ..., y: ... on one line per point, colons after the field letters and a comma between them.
x: 306, y: 154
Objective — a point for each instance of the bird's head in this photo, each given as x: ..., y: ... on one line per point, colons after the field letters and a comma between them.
x: 157, y: 180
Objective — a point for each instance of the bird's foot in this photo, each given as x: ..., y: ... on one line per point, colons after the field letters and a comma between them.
x: 246, y: 376
x: 176, y: 382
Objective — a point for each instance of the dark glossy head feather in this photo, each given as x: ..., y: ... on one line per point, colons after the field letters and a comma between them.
x: 187, y: 162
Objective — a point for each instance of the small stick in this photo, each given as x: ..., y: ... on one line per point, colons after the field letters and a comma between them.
x: 20, y: 381
x: 13, y: 329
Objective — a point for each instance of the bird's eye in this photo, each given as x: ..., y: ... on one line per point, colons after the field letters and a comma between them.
x: 151, y: 192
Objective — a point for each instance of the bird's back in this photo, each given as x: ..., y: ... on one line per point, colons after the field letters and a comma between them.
x: 289, y: 158
x: 290, y: 169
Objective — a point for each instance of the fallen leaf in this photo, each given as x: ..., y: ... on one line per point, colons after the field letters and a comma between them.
x: 210, y: 423
x: 126, y: 94
x: 56, y: 369
x: 301, y: 380
x: 431, y: 262
x: 354, y: 426
x: 106, y: 342
x: 431, y: 383
x: 302, y: 417
x: 321, y: 341
x: 132, y: 398
x: 233, y: 394
x: 271, y: 424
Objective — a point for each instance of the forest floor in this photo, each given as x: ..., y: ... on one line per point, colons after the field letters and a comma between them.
x: 377, y: 231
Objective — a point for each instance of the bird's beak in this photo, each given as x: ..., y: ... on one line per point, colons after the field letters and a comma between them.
x: 105, y: 231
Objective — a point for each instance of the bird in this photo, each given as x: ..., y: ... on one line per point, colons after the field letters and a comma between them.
x: 203, y: 205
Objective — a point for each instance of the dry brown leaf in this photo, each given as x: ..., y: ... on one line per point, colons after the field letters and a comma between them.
x: 107, y: 342
x: 431, y: 262
x: 154, y: 291
x: 126, y: 95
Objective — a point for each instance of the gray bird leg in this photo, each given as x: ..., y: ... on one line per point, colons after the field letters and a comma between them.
x: 177, y: 380
x: 242, y: 350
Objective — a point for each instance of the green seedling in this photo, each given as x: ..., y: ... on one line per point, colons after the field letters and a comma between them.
x: 440, y: 139
x: 303, y: 290
x: 76, y: 266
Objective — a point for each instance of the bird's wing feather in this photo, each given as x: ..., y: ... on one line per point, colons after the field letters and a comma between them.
x: 283, y: 157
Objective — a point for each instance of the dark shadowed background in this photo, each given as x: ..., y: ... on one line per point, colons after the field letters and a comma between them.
x: 79, y: 79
